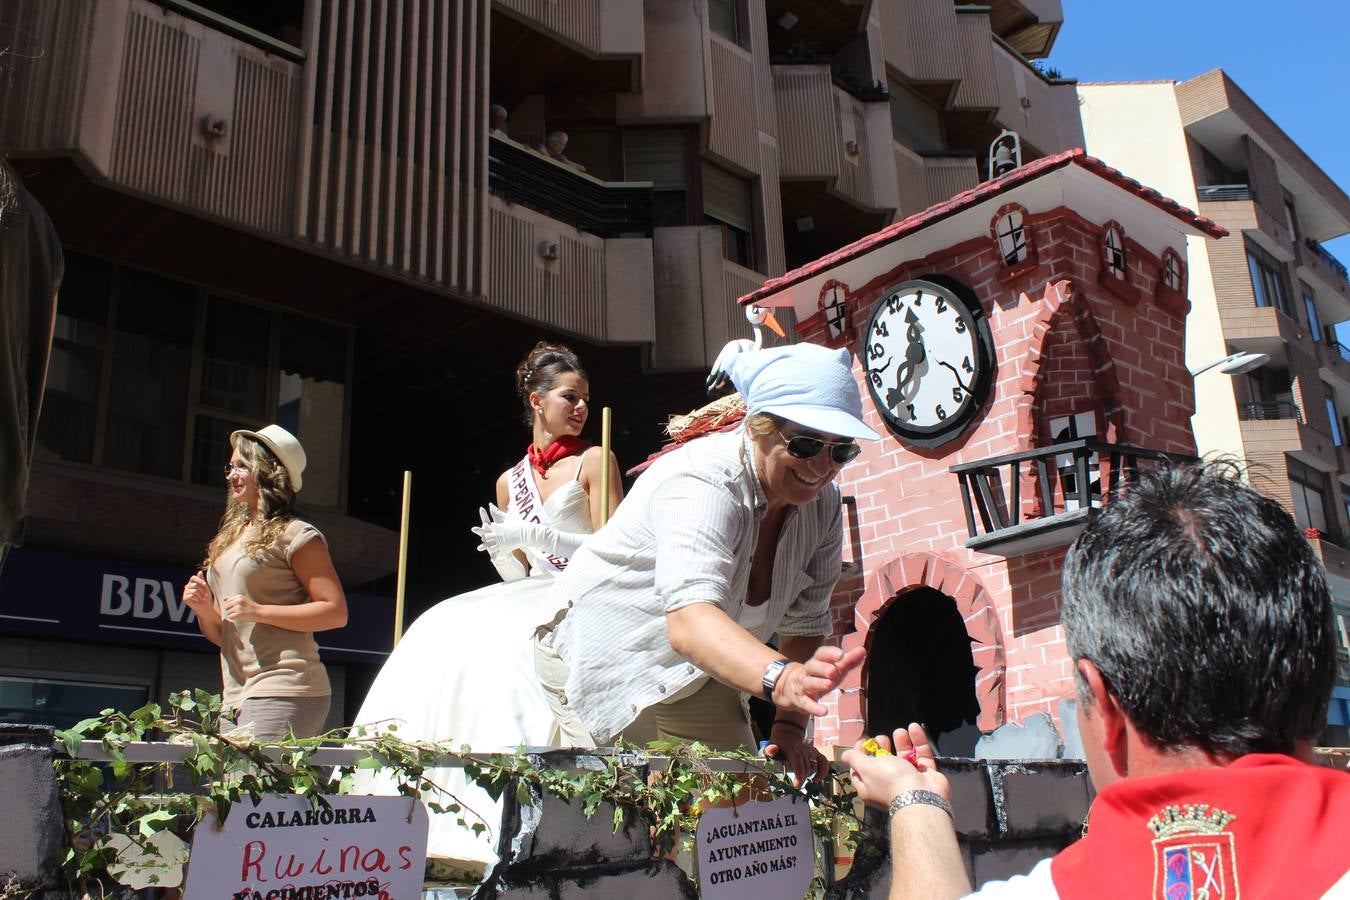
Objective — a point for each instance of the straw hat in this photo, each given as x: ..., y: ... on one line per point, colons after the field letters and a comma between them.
x: 284, y: 446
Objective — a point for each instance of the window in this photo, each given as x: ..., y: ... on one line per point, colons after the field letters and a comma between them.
x: 1114, y: 252
x: 658, y: 156
x: 1071, y: 428
x: 61, y: 702
x: 726, y: 203
x: 1310, y: 307
x: 1307, y: 488
x: 724, y: 18
x: 1173, y: 274
x: 914, y: 122
x: 1012, y: 238
x: 150, y: 375
x: 1333, y: 420
x: 1268, y: 283
x: 1215, y: 172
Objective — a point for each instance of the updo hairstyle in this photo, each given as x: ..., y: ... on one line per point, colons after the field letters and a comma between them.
x: 540, y: 370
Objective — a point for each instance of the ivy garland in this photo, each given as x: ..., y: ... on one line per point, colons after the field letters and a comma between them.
x: 109, y: 809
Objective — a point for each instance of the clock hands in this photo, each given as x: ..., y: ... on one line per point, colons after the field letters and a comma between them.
x: 914, y: 355
x: 955, y: 374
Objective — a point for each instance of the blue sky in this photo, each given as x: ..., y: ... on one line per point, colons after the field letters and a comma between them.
x: 1295, y: 62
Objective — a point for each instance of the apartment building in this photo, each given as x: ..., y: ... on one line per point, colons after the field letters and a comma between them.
x: 295, y: 211
x: 1268, y: 288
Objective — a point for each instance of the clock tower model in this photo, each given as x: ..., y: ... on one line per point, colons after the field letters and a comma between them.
x: 1023, y: 344
x: 927, y: 355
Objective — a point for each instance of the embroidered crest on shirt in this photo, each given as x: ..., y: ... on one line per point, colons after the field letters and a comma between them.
x: 1194, y: 857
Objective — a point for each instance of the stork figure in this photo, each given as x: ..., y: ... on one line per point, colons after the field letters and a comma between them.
x: 757, y: 316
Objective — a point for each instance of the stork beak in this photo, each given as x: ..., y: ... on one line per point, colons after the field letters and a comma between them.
x: 772, y: 322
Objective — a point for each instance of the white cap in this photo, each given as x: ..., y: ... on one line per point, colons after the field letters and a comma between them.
x: 810, y: 385
x: 284, y: 446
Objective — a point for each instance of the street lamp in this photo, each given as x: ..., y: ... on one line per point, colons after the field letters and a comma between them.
x: 1235, y: 364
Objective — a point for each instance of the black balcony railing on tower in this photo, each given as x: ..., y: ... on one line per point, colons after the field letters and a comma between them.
x: 608, y: 209
x: 1257, y: 410
x: 1069, y: 478
x: 1224, y: 192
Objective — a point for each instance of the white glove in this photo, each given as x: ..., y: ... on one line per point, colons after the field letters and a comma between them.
x: 501, y: 533
x: 508, y: 566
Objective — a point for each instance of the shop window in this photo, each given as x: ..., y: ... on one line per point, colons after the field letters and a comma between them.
x: 726, y: 204
x: 1269, y: 286
x: 61, y: 702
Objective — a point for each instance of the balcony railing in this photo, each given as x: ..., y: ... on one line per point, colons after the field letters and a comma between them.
x: 1257, y: 410
x: 994, y: 517
x: 1224, y: 192
x: 1327, y: 258
x: 608, y: 209
x: 1336, y: 346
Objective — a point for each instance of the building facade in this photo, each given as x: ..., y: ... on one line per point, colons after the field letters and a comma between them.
x: 295, y: 212
x: 1268, y: 288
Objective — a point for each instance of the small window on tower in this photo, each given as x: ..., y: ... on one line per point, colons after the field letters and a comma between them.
x: 1115, y: 252
x: 1172, y: 272
x: 1012, y: 238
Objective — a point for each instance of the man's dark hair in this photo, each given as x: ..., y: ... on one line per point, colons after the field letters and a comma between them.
x: 1206, y: 611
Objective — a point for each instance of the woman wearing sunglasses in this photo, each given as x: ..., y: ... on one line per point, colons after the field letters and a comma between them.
x: 721, y: 544
x: 269, y: 584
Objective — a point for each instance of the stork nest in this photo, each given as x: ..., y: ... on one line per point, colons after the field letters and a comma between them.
x: 715, y: 416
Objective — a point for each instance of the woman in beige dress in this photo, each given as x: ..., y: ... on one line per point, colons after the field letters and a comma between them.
x: 268, y: 585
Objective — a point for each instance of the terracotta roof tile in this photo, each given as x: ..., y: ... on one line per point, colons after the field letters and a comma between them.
x: 978, y: 194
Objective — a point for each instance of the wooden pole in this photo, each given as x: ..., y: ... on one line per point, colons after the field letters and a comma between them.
x: 604, y: 465
x: 402, y: 556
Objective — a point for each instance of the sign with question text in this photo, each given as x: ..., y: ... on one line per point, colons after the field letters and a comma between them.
x: 756, y: 850
x: 284, y: 849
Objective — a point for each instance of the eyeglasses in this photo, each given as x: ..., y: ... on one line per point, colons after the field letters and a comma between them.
x: 241, y: 469
x: 803, y: 446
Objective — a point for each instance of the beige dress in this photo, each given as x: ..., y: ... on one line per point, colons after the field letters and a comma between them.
x: 258, y: 660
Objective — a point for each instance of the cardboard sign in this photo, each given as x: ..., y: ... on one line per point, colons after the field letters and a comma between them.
x: 283, y: 849
x: 756, y: 850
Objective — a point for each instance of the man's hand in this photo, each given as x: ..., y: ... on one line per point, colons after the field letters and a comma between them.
x: 879, y: 779
x: 801, y: 685
x: 788, y: 745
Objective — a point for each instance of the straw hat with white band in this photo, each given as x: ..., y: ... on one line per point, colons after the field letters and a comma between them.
x: 284, y: 446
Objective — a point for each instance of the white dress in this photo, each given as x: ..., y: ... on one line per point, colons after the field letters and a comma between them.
x: 464, y: 673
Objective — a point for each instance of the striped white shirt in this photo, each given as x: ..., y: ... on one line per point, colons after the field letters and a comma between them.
x: 685, y: 534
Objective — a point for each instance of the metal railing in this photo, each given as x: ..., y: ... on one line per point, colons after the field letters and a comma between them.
x: 982, y: 483
x: 1257, y: 410
x: 1336, y: 346
x: 1336, y: 264
x: 608, y: 209
x: 1224, y: 192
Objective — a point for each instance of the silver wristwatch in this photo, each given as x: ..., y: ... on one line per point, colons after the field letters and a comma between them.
x: 772, y: 673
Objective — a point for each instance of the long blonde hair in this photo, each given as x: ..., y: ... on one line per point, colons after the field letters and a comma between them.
x: 276, y: 497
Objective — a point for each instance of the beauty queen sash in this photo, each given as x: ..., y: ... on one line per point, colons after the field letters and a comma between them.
x: 525, y: 502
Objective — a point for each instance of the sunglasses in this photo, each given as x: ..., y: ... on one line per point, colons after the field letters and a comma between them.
x: 803, y: 447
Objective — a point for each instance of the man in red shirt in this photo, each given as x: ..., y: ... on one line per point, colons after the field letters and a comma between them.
x: 1202, y: 634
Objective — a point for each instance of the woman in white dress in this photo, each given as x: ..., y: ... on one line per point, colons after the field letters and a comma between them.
x: 464, y: 672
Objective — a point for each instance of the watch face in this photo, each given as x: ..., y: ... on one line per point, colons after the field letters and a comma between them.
x: 927, y: 356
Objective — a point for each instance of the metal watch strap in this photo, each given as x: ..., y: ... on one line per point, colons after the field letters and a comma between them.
x: 918, y: 795
x: 772, y: 672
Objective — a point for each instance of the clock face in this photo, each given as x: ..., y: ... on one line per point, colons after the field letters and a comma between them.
x: 927, y: 355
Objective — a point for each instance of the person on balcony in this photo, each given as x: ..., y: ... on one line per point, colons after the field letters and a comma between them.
x: 497, y: 118
x: 1204, y: 653
x: 722, y: 543
x: 554, y: 147
x: 268, y: 585
x: 464, y: 671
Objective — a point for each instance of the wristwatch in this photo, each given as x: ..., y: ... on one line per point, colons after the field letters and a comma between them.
x: 772, y: 673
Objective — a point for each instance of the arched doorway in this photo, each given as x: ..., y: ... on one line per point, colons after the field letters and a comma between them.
x: 920, y: 669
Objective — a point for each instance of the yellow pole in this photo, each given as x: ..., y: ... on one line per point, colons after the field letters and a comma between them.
x: 402, y: 556
x: 604, y: 465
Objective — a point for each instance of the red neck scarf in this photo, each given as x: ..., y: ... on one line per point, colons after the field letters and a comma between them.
x: 561, y: 448
x: 1266, y: 824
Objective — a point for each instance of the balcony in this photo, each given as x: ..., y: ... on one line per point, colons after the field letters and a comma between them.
x: 1029, y: 26
x: 1217, y: 192
x: 1044, y: 111
x: 1262, y: 410
x: 605, y: 208
x: 1335, y: 358
x: 1064, y: 482
x: 1326, y: 269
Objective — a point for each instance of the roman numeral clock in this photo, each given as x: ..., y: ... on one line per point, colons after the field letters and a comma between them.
x: 928, y: 358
